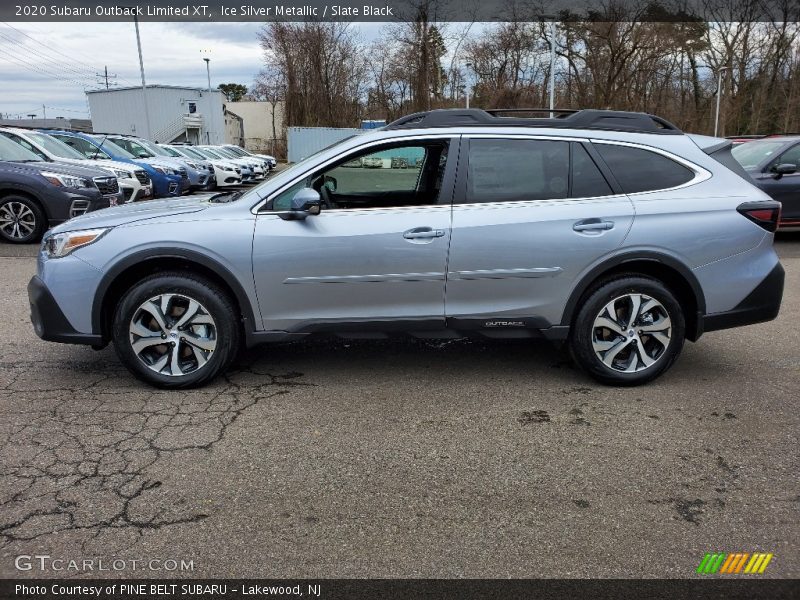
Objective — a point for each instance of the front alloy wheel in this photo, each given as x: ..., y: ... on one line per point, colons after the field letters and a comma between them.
x: 176, y: 329
x: 173, y: 335
x: 21, y: 220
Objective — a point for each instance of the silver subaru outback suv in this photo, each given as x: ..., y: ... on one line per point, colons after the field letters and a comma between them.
x: 614, y: 232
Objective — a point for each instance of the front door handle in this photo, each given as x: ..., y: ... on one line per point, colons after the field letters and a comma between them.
x: 593, y: 225
x: 419, y: 233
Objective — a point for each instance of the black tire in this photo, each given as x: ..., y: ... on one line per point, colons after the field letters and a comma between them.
x: 33, y: 217
x: 213, y: 301
x: 584, y: 333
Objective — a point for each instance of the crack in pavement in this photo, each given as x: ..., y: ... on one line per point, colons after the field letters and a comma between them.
x: 84, y: 457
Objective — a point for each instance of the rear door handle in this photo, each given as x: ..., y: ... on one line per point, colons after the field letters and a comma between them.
x: 593, y: 225
x: 419, y: 233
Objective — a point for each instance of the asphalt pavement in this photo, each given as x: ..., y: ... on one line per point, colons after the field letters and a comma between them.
x: 400, y: 458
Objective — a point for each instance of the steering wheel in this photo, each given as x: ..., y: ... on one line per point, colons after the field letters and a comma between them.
x: 326, y: 196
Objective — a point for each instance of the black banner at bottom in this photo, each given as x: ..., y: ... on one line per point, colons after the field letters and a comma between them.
x: 390, y: 589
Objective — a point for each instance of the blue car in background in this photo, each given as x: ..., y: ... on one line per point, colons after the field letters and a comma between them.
x: 167, y: 181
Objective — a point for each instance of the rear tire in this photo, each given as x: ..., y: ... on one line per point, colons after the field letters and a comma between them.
x: 22, y: 220
x: 628, y: 331
x: 175, y: 330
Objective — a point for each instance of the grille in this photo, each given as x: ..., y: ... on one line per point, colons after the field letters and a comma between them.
x: 143, y: 177
x: 184, y: 173
x: 78, y: 207
x: 107, y: 185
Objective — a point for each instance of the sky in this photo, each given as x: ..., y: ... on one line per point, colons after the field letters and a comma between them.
x: 52, y: 63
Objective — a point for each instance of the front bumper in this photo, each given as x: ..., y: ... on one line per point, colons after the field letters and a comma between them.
x: 760, y: 305
x: 49, y: 322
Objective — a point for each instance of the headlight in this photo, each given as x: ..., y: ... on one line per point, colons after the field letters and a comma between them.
x: 65, y: 180
x: 61, y: 244
x: 193, y: 166
x: 160, y: 170
x: 122, y: 174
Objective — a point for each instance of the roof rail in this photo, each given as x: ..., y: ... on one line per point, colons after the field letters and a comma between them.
x: 609, y: 120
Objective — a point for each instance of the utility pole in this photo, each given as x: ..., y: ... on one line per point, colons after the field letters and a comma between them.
x: 44, y: 111
x: 144, y: 85
x: 719, y: 97
x: 208, y: 72
x: 467, y: 90
x: 106, y: 76
x: 552, y: 83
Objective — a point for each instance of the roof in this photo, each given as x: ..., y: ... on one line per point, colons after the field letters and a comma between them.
x: 154, y: 86
x: 609, y: 120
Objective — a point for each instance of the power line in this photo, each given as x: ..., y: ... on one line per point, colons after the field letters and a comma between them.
x: 20, y: 62
x: 50, y: 45
x: 50, y: 61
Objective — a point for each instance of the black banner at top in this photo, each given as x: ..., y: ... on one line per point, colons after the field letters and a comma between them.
x: 400, y: 10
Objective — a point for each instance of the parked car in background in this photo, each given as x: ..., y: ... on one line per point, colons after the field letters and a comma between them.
x: 613, y: 232
x: 35, y: 194
x: 133, y: 181
x: 241, y: 152
x: 773, y: 163
x: 227, y: 172
x: 205, y: 179
x: 166, y: 180
x: 252, y: 169
x: 190, y: 178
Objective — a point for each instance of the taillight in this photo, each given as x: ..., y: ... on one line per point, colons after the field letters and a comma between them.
x: 764, y: 214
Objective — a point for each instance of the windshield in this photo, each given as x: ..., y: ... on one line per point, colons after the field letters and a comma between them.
x: 225, y: 153
x: 55, y: 147
x: 135, y: 148
x: 10, y: 150
x: 237, y: 151
x: 210, y: 153
x: 752, y: 154
x: 167, y: 151
x: 191, y: 153
x: 154, y: 149
x: 112, y: 147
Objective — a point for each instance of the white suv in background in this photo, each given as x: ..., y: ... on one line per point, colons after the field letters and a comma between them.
x: 227, y: 173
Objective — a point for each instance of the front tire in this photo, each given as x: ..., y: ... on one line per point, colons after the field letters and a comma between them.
x: 22, y: 220
x: 628, y: 331
x: 174, y: 330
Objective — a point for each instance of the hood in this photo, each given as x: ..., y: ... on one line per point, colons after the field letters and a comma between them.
x: 162, y: 161
x: 66, y: 169
x: 133, y: 212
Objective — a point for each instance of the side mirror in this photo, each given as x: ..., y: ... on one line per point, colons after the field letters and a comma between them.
x: 143, y: 155
x: 305, y: 202
x: 783, y: 169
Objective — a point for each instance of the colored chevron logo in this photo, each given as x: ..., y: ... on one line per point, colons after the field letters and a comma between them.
x: 734, y: 563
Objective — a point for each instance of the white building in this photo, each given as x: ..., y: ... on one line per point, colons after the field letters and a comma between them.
x: 174, y: 114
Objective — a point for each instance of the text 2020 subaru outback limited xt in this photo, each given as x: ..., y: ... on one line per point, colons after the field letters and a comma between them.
x: 614, y: 232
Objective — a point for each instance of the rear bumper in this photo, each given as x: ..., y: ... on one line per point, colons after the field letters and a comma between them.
x: 49, y: 321
x: 762, y: 304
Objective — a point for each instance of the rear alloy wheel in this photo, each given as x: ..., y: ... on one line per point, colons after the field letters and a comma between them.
x: 629, y: 331
x: 21, y: 220
x: 175, y: 331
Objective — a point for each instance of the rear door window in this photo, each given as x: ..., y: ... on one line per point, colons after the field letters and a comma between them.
x: 587, y: 180
x: 504, y: 170
x: 639, y: 170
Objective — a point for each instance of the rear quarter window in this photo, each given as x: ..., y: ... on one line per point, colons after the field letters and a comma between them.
x: 639, y: 170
